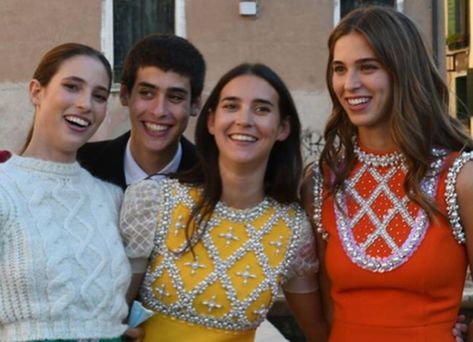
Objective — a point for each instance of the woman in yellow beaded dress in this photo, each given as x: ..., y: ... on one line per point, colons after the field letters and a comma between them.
x: 223, y: 237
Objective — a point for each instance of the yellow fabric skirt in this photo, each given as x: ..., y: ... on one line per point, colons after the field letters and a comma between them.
x: 160, y: 328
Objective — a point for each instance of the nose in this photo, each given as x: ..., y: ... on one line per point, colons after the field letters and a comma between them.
x: 352, y: 80
x: 244, y: 117
x: 84, y: 101
x: 159, y: 107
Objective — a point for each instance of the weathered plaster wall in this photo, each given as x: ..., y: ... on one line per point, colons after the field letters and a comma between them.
x: 288, y: 35
x: 29, y: 28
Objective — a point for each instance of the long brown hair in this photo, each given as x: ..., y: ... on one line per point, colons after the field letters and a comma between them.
x: 284, y: 169
x: 419, y: 118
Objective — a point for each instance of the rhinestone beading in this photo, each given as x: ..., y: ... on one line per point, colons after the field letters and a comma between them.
x: 235, y: 318
x: 357, y: 251
x: 391, y: 159
x: 451, y: 196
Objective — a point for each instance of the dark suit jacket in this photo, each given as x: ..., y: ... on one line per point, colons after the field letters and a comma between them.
x: 105, y: 159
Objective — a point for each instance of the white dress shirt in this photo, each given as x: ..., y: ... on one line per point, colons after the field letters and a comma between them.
x: 133, y: 172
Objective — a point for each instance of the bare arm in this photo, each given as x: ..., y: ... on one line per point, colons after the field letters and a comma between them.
x: 307, y: 309
x: 135, y: 284
x: 464, y: 189
x: 307, y: 197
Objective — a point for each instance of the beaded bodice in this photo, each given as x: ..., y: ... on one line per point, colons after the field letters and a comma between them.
x: 232, y: 276
x: 378, y: 226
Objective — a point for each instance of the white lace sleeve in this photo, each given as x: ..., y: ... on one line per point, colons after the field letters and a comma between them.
x: 138, y: 222
x: 451, y: 195
x: 302, y: 275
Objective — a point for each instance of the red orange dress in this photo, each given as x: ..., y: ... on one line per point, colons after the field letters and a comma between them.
x: 395, y: 276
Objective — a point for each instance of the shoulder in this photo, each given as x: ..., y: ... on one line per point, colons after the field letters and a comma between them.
x: 97, y: 184
x: 10, y: 183
x: 189, y: 155
x: 462, y: 172
x: 459, y: 193
x: 95, y: 150
x: 143, y: 186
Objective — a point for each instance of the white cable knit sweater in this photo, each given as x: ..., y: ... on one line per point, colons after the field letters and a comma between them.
x: 63, y: 270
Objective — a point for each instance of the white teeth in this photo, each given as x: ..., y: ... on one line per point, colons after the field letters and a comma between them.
x: 243, y: 137
x: 358, y: 100
x: 78, y: 121
x: 155, y: 127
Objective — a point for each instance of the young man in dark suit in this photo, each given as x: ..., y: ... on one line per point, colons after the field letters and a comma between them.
x: 162, y: 81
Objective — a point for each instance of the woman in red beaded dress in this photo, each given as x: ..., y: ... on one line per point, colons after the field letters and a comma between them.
x: 392, y: 193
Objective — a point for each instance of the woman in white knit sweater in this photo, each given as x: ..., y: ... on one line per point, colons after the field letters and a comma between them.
x: 63, y: 270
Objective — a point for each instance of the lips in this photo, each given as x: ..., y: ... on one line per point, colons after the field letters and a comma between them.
x: 154, y: 127
x: 77, y: 121
x: 243, y: 137
x: 356, y: 101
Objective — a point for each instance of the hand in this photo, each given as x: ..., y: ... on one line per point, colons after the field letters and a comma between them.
x: 133, y: 335
x: 460, y: 328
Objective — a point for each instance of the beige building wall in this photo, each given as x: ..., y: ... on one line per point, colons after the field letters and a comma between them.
x: 29, y: 28
x: 288, y: 35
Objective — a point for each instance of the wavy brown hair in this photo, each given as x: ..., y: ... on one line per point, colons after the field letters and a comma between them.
x: 419, y: 118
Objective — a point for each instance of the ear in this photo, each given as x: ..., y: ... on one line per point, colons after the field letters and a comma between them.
x: 211, y: 123
x: 124, y: 95
x: 35, y: 90
x: 195, y: 106
x: 284, y: 130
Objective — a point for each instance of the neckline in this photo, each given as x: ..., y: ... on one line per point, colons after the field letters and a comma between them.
x: 236, y: 214
x: 46, y: 166
x: 389, y: 157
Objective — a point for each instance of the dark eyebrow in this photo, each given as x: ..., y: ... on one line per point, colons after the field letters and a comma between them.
x: 235, y: 98
x: 365, y: 60
x: 263, y: 101
x: 359, y: 61
x: 230, y: 98
x: 147, y: 85
x: 170, y: 89
x: 82, y: 81
x: 178, y: 90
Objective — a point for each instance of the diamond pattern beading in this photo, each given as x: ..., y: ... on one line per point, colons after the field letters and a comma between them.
x: 244, y: 236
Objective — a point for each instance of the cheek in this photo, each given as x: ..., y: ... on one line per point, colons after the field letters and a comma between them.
x: 101, y: 111
x: 181, y: 112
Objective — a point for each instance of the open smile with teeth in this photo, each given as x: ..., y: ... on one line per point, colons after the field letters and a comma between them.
x: 155, y: 127
x: 242, y: 137
x: 77, y: 121
x: 358, y: 100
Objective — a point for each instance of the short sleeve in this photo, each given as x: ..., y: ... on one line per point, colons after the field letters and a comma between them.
x: 302, y: 275
x: 138, y: 221
x: 451, y: 197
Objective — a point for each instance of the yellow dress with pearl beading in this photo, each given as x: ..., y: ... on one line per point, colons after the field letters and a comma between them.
x: 223, y: 288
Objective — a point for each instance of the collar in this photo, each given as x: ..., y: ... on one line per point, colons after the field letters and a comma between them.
x: 134, y: 173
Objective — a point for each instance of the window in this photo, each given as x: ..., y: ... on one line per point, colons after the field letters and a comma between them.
x: 348, y: 5
x: 462, y: 100
x: 134, y: 19
x: 457, y: 24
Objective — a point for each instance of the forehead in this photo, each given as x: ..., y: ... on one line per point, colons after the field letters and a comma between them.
x: 162, y: 79
x: 352, y: 46
x: 88, y: 68
x: 249, y: 87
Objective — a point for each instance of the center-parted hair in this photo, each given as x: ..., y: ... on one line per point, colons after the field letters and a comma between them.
x: 283, y: 172
x: 419, y: 118
x: 168, y: 53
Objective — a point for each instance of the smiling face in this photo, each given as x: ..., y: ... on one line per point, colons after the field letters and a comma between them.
x: 247, y: 122
x: 69, y: 109
x: 361, y: 83
x: 159, y: 106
